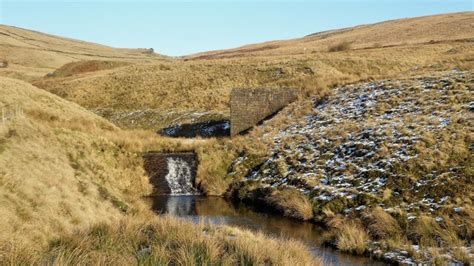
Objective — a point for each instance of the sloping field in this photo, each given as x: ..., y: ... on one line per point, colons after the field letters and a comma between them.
x: 59, y: 170
x: 420, y: 30
x: 32, y: 54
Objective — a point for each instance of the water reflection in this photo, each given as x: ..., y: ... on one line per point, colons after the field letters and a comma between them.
x: 220, y: 211
x: 177, y: 205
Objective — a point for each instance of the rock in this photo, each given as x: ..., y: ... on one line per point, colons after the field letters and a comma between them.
x: 144, y: 252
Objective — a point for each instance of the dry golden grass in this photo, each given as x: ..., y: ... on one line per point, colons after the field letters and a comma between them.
x: 62, y: 167
x: 394, y: 230
x: 430, y: 232
x: 157, y: 92
x: 461, y: 254
x: 33, y: 54
x: 58, y: 170
x: 172, y: 89
x: 291, y: 203
x: 345, y: 233
x: 444, y: 27
x: 214, y: 160
x: 351, y: 237
x: 381, y: 224
x: 160, y: 241
x: 333, y: 220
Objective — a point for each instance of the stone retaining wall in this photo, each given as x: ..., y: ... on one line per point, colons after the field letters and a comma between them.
x: 250, y: 106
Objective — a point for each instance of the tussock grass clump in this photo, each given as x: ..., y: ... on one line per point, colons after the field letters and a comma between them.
x: 351, y: 237
x: 345, y: 233
x: 381, y: 224
x: 468, y: 219
x: 214, y: 160
x: 461, y: 254
x: 431, y: 233
x: 291, y: 203
x: 342, y: 46
x: 333, y: 220
x: 160, y: 241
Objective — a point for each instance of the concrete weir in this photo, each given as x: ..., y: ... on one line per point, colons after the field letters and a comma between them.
x: 249, y: 106
x: 171, y: 173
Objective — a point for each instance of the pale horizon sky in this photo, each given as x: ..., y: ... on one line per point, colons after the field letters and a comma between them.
x: 185, y: 27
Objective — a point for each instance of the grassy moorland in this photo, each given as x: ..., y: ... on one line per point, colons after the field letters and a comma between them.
x: 32, y: 55
x: 393, y: 180
x: 156, y: 94
x: 400, y: 32
x: 152, y: 96
x: 70, y: 191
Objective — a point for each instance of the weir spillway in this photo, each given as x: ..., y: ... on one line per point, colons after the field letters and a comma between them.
x: 172, y: 173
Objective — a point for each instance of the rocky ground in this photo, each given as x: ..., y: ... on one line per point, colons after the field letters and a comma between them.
x: 403, y: 145
x: 156, y: 119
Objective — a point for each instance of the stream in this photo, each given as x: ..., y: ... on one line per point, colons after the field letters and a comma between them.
x: 219, y: 211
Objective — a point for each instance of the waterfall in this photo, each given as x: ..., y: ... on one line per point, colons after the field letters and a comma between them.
x: 179, y: 177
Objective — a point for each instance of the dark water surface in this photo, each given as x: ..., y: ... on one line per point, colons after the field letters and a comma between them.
x: 220, y: 211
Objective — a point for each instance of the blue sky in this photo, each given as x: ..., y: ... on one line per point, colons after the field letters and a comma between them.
x: 186, y: 27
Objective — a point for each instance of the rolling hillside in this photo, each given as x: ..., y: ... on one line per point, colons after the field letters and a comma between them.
x: 396, y: 96
x: 32, y: 54
x: 136, y: 89
x: 411, y: 31
x: 156, y: 95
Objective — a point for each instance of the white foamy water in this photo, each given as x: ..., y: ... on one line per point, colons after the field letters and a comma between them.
x: 179, y: 177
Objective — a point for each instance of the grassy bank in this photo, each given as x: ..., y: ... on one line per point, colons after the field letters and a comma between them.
x: 160, y: 241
